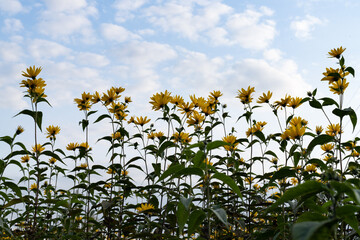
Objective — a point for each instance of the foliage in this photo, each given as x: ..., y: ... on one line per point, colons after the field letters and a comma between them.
x: 196, y: 185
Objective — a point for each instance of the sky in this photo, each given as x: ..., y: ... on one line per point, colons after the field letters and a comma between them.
x: 183, y: 46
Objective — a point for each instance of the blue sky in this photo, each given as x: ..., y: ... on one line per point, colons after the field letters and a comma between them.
x: 184, y: 46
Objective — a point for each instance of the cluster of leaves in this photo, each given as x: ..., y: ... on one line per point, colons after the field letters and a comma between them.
x: 196, y: 185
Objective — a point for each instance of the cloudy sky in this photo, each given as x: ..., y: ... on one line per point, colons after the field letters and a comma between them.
x: 184, y: 46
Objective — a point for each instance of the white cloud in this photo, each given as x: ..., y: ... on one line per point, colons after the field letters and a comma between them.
x: 280, y: 77
x: 304, y: 27
x: 65, y: 81
x: 67, y: 20
x: 92, y: 59
x: 126, y: 7
x: 11, y: 6
x: 117, y: 33
x: 65, y: 5
x: 145, y: 54
x: 60, y: 25
x: 202, y: 20
x: 12, y: 98
x: 196, y: 72
x: 250, y: 30
x: 10, y: 52
x: 147, y: 31
x: 273, y: 55
x: 139, y: 67
x: 188, y: 18
x: 44, y: 49
x: 12, y: 25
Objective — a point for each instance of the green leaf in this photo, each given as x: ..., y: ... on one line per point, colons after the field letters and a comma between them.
x: 7, y: 139
x: 13, y: 187
x: 311, y: 216
x: 189, y: 171
x: 329, y: 101
x: 319, y: 140
x: 37, y: 116
x: 198, y: 159
x: 342, y: 61
x: 182, y: 216
x: 221, y: 215
x: 171, y: 170
x: 350, y: 70
x: 165, y: 145
x: 284, y: 172
x: 315, y: 104
x: 347, y: 111
x: 102, y: 117
x: 215, y: 144
x: 195, y: 219
x: 306, y: 188
x: 313, y: 230
x: 229, y: 181
x: 186, y: 202
x: 84, y: 123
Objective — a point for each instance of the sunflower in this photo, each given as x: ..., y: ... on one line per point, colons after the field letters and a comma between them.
x: 231, y: 140
x: 52, y: 131
x: 117, y: 135
x: 181, y: 137
x: 159, y: 100
x: 177, y: 100
x: 295, y: 132
x: 52, y: 160
x: 141, y: 121
x: 207, y: 108
x: 186, y: 108
x: 283, y: 102
x: 127, y: 100
x: 195, y: 119
x: 336, y: 52
x: 245, y: 95
x: 83, y: 165
x: 333, y: 130
x: 257, y: 127
x: 298, y: 120
x: 333, y: 75
x: 84, y: 102
x: 339, y: 86
x: 294, y: 102
x: 145, y: 207
x: 327, y: 147
x: 214, y: 96
x: 38, y: 148
x: 19, y: 130
x: 118, y: 90
x: 117, y: 107
x: 294, y: 181
x: 84, y: 145
x: 25, y: 159
x: 151, y: 135
x: 72, y: 146
x: 319, y: 130
x: 95, y: 98
x: 33, y: 186
x: 31, y: 72
x: 310, y: 168
x: 110, y: 96
x: 159, y: 134
x: 265, y: 97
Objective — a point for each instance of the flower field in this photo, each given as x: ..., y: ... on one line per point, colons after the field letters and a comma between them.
x: 197, y: 184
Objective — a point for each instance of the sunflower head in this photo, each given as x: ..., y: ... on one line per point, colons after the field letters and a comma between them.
x: 32, y: 72
x: 336, y: 52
